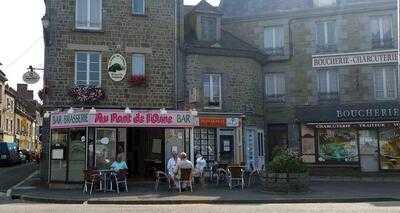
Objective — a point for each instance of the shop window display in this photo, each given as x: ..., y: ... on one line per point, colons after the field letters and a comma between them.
x: 337, y: 146
x: 205, y: 143
x: 390, y: 149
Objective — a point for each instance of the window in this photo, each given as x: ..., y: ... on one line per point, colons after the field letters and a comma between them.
x: 212, y: 90
x: 209, y: 28
x: 7, y: 128
x: 275, y: 84
x: 337, y: 146
x: 385, y: 80
x: 87, y: 68
x: 326, y: 36
x: 260, y: 143
x: 273, y: 40
x: 138, y: 7
x: 138, y: 65
x: 324, y: 3
x: 389, y: 141
x: 205, y: 141
x: 88, y: 14
x: 381, y: 29
x: 328, y: 84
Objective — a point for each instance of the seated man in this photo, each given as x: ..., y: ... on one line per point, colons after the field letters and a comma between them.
x: 184, y: 164
x: 200, y: 165
x: 172, y: 167
x: 119, y: 164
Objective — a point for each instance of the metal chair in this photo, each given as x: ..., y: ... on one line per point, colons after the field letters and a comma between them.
x: 92, y: 177
x: 121, y: 177
x: 160, y: 176
x: 185, y: 177
x: 236, y: 173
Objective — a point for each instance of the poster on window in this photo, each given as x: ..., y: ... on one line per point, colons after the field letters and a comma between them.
x: 337, y: 146
x: 390, y: 149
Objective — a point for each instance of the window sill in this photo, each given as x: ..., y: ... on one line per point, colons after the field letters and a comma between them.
x: 139, y: 14
x: 88, y: 30
x: 213, y: 108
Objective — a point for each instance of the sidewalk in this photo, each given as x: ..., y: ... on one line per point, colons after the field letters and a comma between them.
x: 143, y: 193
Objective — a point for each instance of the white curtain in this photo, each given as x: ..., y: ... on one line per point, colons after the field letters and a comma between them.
x: 390, y: 82
x: 270, y: 84
x: 278, y: 37
x: 95, y: 13
x: 81, y: 13
x: 320, y: 28
x: 331, y: 32
x: 322, y: 81
x: 268, y: 37
x: 379, y: 86
x: 138, y: 64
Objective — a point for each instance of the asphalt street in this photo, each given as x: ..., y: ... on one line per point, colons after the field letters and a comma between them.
x: 387, y: 207
x: 11, y: 175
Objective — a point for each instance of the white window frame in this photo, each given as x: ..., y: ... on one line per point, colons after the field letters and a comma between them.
x: 326, y: 35
x: 212, y: 90
x: 328, y: 82
x: 275, y: 77
x: 317, y: 3
x: 380, y: 22
x: 87, y: 67
x: 143, y: 9
x: 144, y: 63
x: 385, y: 91
x: 88, y: 27
x: 274, y: 32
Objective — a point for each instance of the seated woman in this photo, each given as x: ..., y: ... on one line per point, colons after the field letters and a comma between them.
x: 200, y: 165
x: 119, y: 164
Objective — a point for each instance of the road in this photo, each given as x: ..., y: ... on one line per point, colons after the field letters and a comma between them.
x: 387, y: 207
x: 9, y: 176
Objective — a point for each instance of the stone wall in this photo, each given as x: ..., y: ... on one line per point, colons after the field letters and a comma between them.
x: 241, y: 84
x: 123, y: 33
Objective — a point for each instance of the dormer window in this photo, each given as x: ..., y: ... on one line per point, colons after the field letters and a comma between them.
x: 208, y: 28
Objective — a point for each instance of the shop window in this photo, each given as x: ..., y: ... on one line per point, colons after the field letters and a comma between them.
x: 390, y: 149
x: 138, y: 65
x: 324, y: 3
x: 208, y: 28
x: 76, y: 154
x: 277, y: 138
x: 138, y: 7
x: 337, y: 146
x: 385, y: 81
x: 205, y: 143
x: 275, y: 86
x: 105, y: 147
x: 88, y: 14
x: 382, y: 32
x: 59, y: 142
x: 212, y: 90
x: 87, y: 68
x: 274, y: 40
x: 328, y: 84
x: 326, y: 36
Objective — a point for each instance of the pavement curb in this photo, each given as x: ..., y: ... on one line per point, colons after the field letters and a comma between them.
x: 180, y: 202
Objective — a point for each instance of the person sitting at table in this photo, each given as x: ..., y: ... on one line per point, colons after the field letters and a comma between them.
x: 172, y: 167
x: 119, y: 164
x: 184, y: 164
x: 200, y: 165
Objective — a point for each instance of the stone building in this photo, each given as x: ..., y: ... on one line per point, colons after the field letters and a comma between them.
x: 331, y: 78
x: 3, y: 80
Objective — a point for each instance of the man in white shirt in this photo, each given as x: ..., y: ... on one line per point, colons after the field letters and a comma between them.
x: 172, y: 167
x: 184, y: 163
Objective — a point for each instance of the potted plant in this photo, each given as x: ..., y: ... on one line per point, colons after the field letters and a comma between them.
x: 136, y: 80
x: 287, y: 172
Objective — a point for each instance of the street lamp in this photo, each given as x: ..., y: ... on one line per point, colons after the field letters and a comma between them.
x: 128, y: 111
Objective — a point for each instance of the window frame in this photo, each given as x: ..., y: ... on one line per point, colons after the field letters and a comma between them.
x: 380, y: 19
x: 274, y: 35
x: 205, y: 35
x: 385, y: 89
x: 133, y: 64
x: 317, y: 4
x: 211, y: 90
x: 261, y: 143
x: 275, y: 78
x: 328, y: 82
x: 88, y: 14
x: 143, y: 12
x: 87, y: 53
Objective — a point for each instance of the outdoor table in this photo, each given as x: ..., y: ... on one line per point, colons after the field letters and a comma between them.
x: 106, y: 173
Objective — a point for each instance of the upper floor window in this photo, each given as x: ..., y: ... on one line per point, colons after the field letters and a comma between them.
x: 138, y: 7
x: 273, y: 40
x: 275, y: 84
x: 326, y: 36
x: 88, y: 14
x: 138, y: 65
x: 382, y: 32
x: 212, y: 90
x: 324, y: 3
x: 328, y: 84
x: 208, y: 28
x: 385, y: 81
x: 87, y: 68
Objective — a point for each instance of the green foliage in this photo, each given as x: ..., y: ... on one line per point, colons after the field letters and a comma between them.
x: 285, y: 161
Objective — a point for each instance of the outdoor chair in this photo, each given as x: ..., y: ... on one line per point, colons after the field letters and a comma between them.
x: 92, y: 178
x: 186, y: 177
x: 121, y: 177
x: 256, y: 172
x: 162, y: 176
x: 235, y: 173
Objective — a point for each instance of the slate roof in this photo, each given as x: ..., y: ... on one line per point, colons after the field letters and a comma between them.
x: 3, y: 76
x: 205, y: 7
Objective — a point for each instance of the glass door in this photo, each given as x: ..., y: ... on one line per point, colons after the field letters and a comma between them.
x: 105, y: 147
x: 369, y: 150
x: 76, y: 155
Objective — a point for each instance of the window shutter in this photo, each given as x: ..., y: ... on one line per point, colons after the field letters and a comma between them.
x: 268, y: 37
x: 320, y: 33
x: 81, y: 16
x: 379, y: 88
x: 95, y: 13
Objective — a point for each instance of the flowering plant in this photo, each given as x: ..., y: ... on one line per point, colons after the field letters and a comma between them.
x: 137, y: 79
x: 43, y: 92
x: 87, y: 94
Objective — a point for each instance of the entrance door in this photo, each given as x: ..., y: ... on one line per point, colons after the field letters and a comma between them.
x: 226, y: 148
x: 277, y: 137
x: 369, y: 150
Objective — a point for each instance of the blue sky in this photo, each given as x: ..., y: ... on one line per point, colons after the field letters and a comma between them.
x: 21, y: 42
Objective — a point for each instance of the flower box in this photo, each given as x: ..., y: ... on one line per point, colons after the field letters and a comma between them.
x: 136, y: 80
x: 86, y: 94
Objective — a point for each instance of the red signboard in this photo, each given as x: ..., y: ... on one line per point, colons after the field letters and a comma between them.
x: 212, y: 122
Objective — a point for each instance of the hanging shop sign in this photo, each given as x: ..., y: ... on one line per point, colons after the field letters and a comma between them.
x: 117, y: 67
x: 31, y: 77
x: 359, y: 58
x: 110, y: 118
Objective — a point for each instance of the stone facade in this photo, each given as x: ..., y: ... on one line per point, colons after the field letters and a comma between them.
x: 152, y: 34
